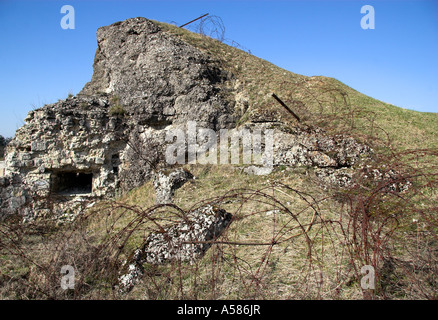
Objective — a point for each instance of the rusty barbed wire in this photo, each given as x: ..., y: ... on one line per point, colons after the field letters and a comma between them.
x: 281, y: 243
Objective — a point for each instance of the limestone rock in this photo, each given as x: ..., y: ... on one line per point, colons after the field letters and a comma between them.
x: 257, y: 170
x: 165, y: 184
x: 157, y: 77
x: 143, y: 80
x: 312, y: 147
x: 330, y: 177
x: 187, y: 240
x: 179, y: 241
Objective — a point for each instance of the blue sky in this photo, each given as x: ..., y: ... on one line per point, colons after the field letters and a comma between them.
x: 397, y: 62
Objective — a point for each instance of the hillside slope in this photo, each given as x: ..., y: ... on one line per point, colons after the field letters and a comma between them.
x: 290, y: 235
x: 316, y: 98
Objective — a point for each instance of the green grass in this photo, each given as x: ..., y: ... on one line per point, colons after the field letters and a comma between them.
x: 281, y: 274
x: 257, y: 271
x: 116, y: 108
x: 313, y: 98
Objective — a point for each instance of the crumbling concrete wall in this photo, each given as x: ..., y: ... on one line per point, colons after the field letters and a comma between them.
x: 2, y: 168
x: 185, y: 241
x: 143, y: 79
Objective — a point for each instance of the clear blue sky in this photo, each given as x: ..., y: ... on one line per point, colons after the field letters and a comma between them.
x: 397, y: 62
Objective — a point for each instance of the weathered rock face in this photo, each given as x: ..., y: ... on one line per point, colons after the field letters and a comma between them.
x: 75, y: 138
x: 165, y: 184
x: 309, y: 147
x: 158, y: 78
x: 66, y: 148
x: 12, y: 195
x: 143, y: 80
x: 180, y: 240
x: 2, y: 168
x: 186, y: 241
x: 314, y: 148
x: 107, y: 139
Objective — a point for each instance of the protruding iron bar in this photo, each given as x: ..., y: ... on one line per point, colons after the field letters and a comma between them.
x: 286, y: 107
x: 194, y: 20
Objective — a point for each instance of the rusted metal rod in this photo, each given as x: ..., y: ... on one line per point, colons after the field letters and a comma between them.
x: 194, y: 20
x: 285, y: 106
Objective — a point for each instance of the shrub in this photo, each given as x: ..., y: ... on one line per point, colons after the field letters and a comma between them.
x: 116, y: 108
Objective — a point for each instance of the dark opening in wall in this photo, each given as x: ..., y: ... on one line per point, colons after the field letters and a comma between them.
x: 115, y: 162
x: 71, y: 182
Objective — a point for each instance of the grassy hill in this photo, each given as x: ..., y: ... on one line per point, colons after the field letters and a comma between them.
x: 316, y: 99
x: 290, y: 238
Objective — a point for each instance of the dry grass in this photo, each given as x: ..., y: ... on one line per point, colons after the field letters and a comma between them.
x: 317, y: 100
x: 288, y: 238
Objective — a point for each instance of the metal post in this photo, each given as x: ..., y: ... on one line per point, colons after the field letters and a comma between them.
x: 194, y: 20
x: 286, y: 107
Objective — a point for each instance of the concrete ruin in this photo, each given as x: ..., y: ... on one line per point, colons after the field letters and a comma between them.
x: 184, y: 241
x: 145, y: 81
x: 2, y: 168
